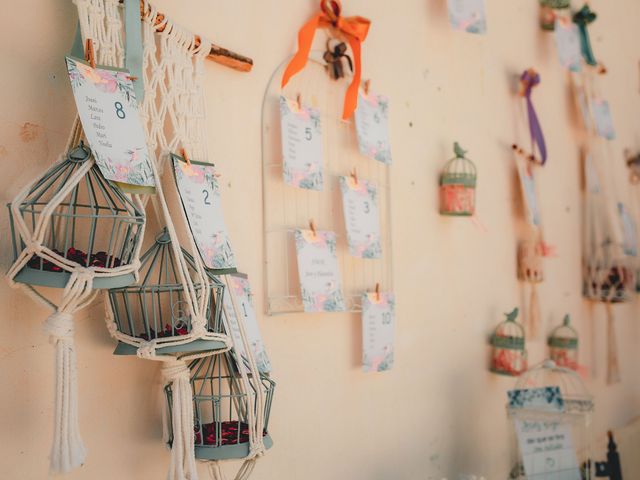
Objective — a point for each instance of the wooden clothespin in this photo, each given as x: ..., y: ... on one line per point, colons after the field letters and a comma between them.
x: 354, y: 175
x: 377, y: 292
x: 367, y: 84
x: 183, y: 152
x: 90, y: 53
x: 299, y: 101
x: 312, y: 227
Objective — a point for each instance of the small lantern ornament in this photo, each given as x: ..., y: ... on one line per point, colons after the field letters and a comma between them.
x: 549, y: 10
x: 458, y: 185
x: 563, y: 345
x: 509, y: 356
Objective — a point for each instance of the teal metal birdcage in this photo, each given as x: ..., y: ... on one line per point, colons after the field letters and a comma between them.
x: 509, y: 355
x: 221, y: 408
x: 79, y: 219
x: 155, y: 309
x: 563, y: 345
x: 458, y: 185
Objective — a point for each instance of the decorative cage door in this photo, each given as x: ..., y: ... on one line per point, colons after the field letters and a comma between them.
x: 287, y: 208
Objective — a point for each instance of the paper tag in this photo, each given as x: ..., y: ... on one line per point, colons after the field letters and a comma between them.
x: 584, y: 107
x: 603, y: 119
x: 378, y: 331
x: 568, y: 44
x: 528, y: 184
x: 545, y: 444
x: 360, y: 206
x: 301, y: 145
x: 318, y: 269
x: 200, y: 195
x: 468, y: 15
x: 372, y: 127
x: 108, y: 110
x: 630, y: 235
x: 241, y: 290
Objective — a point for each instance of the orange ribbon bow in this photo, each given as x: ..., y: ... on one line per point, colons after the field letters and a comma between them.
x: 355, y: 30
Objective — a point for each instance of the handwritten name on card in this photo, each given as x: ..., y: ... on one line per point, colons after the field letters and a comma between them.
x: 378, y: 331
x: 200, y: 196
x: 360, y: 207
x: 320, y: 283
x: 372, y: 127
x: 240, y: 289
x: 301, y: 145
x: 108, y: 110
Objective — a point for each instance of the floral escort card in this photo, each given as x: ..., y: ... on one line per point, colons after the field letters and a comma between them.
x: 602, y: 118
x: 200, y: 196
x: 359, y: 203
x: 528, y: 184
x: 545, y: 442
x: 320, y: 283
x: 240, y: 290
x: 568, y: 44
x: 372, y: 126
x: 108, y: 110
x: 301, y: 145
x: 378, y: 331
x: 468, y: 15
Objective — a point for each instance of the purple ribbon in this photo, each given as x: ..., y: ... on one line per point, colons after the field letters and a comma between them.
x: 529, y: 79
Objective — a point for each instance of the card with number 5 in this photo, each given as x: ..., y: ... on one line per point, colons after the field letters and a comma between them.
x: 301, y: 145
x: 200, y: 195
x: 110, y: 119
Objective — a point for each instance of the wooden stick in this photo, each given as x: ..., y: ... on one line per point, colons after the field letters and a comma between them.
x: 217, y: 54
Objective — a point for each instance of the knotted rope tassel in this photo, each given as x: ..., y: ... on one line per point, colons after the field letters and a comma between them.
x: 613, y: 368
x: 68, y: 451
x: 534, y: 312
x: 243, y: 474
x: 183, y: 462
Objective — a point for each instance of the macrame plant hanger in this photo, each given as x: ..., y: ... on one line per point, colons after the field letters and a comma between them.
x: 606, y: 270
x: 72, y: 204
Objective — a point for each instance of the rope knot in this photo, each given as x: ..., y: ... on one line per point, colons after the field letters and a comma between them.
x: 146, y: 350
x: 59, y: 326
x: 175, y: 371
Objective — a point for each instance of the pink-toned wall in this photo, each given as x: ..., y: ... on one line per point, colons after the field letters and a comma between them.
x: 439, y: 413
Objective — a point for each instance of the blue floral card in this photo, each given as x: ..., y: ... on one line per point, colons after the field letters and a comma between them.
x: 468, y: 16
x: 360, y: 207
x: 108, y: 111
x: 200, y: 195
x: 372, y: 126
x: 378, y: 331
x: 528, y: 184
x: 602, y: 118
x: 568, y: 44
x: 301, y: 145
x: 629, y: 231
x: 239, y: 292
x: 320, y: 283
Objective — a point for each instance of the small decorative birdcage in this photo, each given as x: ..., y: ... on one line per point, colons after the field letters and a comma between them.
x: 563, y: 345
x: 223, y: 410
x: 549, y: 10
x: 509, y: 355
x: 554, y: 398
x: 458, y: 185
x: 72, y: 218
x: 155, y: 310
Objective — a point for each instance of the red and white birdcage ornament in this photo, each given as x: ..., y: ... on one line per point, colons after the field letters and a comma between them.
x: 509, y: 354
x: 458, y: 185
x: 563, y: 345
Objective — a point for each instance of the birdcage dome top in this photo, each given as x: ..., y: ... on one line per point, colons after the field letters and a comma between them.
x: 509, y: 333
x: 548, y: 374
x: 556, y: 3
x: 459, y: 170
x: 564, y: 336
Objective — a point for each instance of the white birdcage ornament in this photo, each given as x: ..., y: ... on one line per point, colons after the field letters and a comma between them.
x: 551, y: 401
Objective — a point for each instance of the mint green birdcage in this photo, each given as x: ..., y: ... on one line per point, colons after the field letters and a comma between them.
x: 221, y: 408
x: 93, y: 225
x: 155, y: 308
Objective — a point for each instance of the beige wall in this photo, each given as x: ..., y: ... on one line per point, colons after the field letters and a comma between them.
x: 439, y: 412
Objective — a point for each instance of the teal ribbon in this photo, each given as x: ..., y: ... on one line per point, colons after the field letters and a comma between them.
x: 582, y: 18
x: 133, y: 53
x: 133, y: 45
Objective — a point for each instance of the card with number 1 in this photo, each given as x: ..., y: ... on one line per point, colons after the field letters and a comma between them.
x: 200, y: 195
x: 301, y: 145
x: 108, y: 110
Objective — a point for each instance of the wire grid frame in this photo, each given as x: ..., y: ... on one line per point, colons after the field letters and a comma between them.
x: 288, y: 208
x: 220, y: 407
